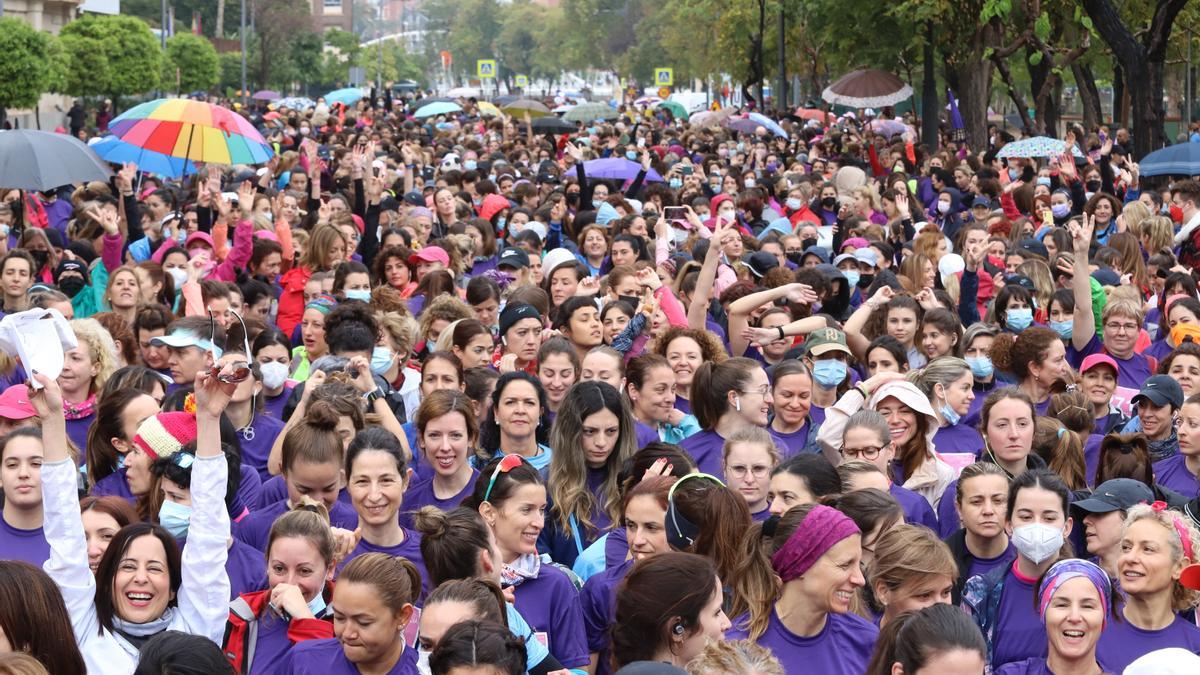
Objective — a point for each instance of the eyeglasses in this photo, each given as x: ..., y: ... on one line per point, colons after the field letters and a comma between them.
x: 761, y: 391
x: 507, y: 464
x: 241, y: 368
x: 1126, y: 327
x: 758, y: 471
x: 868, y: 453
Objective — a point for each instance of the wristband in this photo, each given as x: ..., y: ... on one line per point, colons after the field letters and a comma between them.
x: 780, y: 329
x: 859, y: 389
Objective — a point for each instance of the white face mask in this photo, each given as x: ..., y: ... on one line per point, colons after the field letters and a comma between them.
x: 943, y: 207
x: 1037, y: 541
x: 179, y: 275
x: 274, y: 374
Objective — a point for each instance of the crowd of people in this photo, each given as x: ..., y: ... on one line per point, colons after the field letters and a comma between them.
x: 423, y: 395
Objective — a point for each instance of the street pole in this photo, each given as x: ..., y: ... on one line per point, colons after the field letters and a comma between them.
x: 781, y: 103
x: 163, y: 32
x: 243, y: 32
x: 379, y: 52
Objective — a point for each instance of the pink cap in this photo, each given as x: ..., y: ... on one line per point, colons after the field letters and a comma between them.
x: 14, y: 403
x: 266, y: 234
x: 430, y: 254
x: 1098, y: 359
x: 202, y: 237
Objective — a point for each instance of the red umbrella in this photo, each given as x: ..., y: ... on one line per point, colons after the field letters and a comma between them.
x: 813, y: 114
x: 867, y: 89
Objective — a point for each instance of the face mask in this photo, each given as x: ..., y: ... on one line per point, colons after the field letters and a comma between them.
x: 40, y: 258
x: 304, y: 131
x: 1043, y: 180
x: 726, y: 216
x: 630, y: 155
x: 771, y: 166
x: 741, y: 147
x: 852, y: 277
x: 675, y: 183
x: 71, y: 285
x: 1013, y: 173
x: 4, y: 230
x: 943, y: 208
x: 1018, y: 320
x: 174, y: 518
x: 949, y: 415
x: 865, y: 280
x: 470, y: 164
x: 795, y: 256
x: 1038, y: 542
x: 829, y: 373
x: 274, y: 374
x: 715, y: 173
x: 829, y: 202
x: 501, y: 222
x: 1089, y: 194
x: 359, y: 294
x: 633, y: 300
x: 1092, y: 186
x: 596, y: 203
x: 794, y: 204
x: 178, y: 275
x: 591, y: 131
x: 981, y: 366
x: 749, y: 183
x: 1063, y: 328
x: 381, y: 359
x: 1060, y: 210
x: 120, y: 462
x: 807, y: 243
x: 317, y: 604
x: 722, y: 152
x: 423, y: 661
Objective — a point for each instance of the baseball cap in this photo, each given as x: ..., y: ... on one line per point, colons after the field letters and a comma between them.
x: 844, y: 257
x: 1161, y: 390
x: 513, y: 257
x: 981, y: 201
x: 761, y: 262
x: 867, y: 257
x: 1098, y: 360
x: 1107, y: 277
x: 554, y: 258
x: 826, y: 340
x: 1022, y: 281
x: 430, y: 254
x: 202, y: 237
x: 516, y: 312
x: 1118, y: 494
x: 414, y: 198
x: 1034, y: 246
x: 185, y: 338
x: 14, y: 403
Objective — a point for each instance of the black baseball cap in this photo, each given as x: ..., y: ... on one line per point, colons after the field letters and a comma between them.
x: 761, y: 262
x: 1161, y: 390
x: 1118, y: 494
x: 513, y: 257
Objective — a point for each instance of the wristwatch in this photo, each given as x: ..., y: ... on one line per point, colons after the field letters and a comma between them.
x: 372, y: 396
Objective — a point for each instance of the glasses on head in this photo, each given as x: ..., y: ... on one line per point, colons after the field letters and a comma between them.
x: 758, y: 471
x: 761, y: 391
x: 507, y: 464
x: 1119, y: 327
x: 240, y: 369
x: 869, y: 453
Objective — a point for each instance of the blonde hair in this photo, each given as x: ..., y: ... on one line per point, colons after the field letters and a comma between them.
x: 1158, y: 233
x: 1173, y: 522
x: 101, y: 347
x: 754, y: 436
x: 400, y: 328
x: 1121, y: 306
x: 723, y: 657
x: 1136, y: 214
x: 910, y: 553
x: 320, y: 244
x: 1043, y: 283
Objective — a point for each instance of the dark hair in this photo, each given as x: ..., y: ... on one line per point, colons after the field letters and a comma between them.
x: 170, y: 468
x: 377, y: 439
x: 34, y: 618
x: 482, y: 289
x: 868, y: 508
x: 436, y: 283
x: 679, y: 463
x: 1016, y: 353
x: 483, y: 595
x: 351, y: 327
x: 344, y: 270
x: 151, y: 317
x: 448, y: 357
x: 451, y: 542
x: 489, y: 431
x: 100, y: 452
x: 1038, y: 478
x: 270, y: 336
x: 893, y: 347
x: 396, y: 580
x: 106, y: 570
x: 467, y: 330
x: 173, y: 652
x: 507, y: 482
x: 713, y: 382
x: 660, y: 596
x: 819, y: 476
x: 478, y: 644
x: 1125, y: 456
x: 915, y: 638
x: 254, y: 290
x: 562, y: 315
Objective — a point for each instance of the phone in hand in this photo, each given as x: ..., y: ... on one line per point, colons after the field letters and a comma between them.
x: 675, y: 213
x: 686, y: 170
x: 641, y: 142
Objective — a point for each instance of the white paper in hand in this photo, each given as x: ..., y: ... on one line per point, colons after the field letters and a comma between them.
x: 39, y: 338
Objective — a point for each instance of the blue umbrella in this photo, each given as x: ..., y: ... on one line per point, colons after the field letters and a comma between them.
x: 296, y: 103
x: 348, y: 96
x: 1181, y: 159
x: 437, y: 108
x: 768, y: 124
x: 617, y: 168
x: 1038, y: 146
x: 116, y: 151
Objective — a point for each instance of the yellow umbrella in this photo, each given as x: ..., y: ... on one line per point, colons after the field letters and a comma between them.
x: 488, y: 109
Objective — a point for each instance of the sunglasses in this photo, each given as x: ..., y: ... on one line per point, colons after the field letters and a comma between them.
x: 508, y: 463
x: 239, y: 370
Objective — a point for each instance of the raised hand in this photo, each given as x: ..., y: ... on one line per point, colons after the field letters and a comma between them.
x: 588, y: 285
x: 801, y: 294
x: 126, y: 176
x: 760, y: 337
x: 648, y: 278
x: 574, y: 151
x: 246, y: 198
x: 47, y: 399
x: 213, y: 395
x: 881, y: 297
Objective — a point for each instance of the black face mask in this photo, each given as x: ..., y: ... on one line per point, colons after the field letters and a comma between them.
x: 1093, y: 186
x: 572, y: 199
x: 865, y: 280
x: 70, y: 286
x: 795, y: 256
x: 40, y: 257
x: 633, y: 300
x: 829, y: 202
x: 808, y: 243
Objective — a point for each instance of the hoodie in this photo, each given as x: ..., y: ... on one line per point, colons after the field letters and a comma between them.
x: 949, y: 223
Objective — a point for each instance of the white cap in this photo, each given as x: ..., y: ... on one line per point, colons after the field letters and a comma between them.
x: 555, y: 258
x: 1169, y: 661
x: 637, y: 205
x: 951, y: 264
x: 537, y: 228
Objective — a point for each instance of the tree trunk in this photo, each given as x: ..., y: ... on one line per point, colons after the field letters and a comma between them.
x: 1119, y: 116
x: 781, y: 99
x: 219, y: 28
x: 975, y: 78
x: 1015, y: 94
x: 929, y: 95
x: 1089, y: 95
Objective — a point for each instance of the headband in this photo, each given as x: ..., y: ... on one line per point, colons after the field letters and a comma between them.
x: 820, y: 530
x: 1180, y: 529
x: 1073, y: 568
x: 681, y: 532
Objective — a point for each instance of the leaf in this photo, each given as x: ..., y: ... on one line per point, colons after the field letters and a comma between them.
x: 1041, y: 27
x: 1035, y: 58
x: 1086, y: 22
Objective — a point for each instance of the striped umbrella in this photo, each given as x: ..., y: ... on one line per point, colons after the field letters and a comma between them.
x: 116, y: 151
x: 193, y: 130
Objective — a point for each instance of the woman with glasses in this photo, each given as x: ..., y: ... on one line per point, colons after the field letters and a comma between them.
x: 726, y: 397
x: 750, y: 454
x: 867, y: 438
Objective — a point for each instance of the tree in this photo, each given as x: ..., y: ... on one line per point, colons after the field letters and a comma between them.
x: 195, y: 59
x: 278, y: 22
x: 24, y: 66
x: 57, y: 65
x: 111, y: 55
x: 1141, y: 58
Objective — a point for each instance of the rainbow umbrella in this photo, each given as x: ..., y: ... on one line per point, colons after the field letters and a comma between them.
x: 115, y: 151
x: 193, y: 130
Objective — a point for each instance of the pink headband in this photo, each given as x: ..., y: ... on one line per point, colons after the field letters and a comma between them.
x: 1180, y: 529
x: 820, y: 530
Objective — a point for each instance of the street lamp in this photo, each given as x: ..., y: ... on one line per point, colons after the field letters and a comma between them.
x: 243, y: 33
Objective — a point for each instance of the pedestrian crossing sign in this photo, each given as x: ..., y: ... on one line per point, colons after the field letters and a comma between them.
x: 522, y: 80
x: 485, y: 68
x: 664, y: 77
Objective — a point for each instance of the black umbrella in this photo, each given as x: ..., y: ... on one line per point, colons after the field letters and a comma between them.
x: 553, y: 125
x: 432, y: 99
x: 502, y: 101
x: 40, y: 160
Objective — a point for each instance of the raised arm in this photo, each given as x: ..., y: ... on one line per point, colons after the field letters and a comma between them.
x: 858, y: 321
x: 708, y: 269
x: 740, y: 309
x: 1084, y: 320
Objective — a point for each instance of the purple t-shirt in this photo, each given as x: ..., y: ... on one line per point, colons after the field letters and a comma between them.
x: 1019, y: 631
x: 274, y: 405
x: 247, y: 569
x: 1158, y: 350
x: 683, y: 405
x: 1091, y: 456
x: 114, y: 484
x: 645, y: 434
x: 1133, y: 371
x: 325, y: 657
x: 550, y: 604
x: 616, y: 547
x: 760, y: 516
x: 421, y: 494
x: 917, y: 510
x: 1173, y: 473
x: 274, y: 489
x: 947, y: 515
x: 409, y: 549
x: 705, y: 448
x: 843, y: 647
x: 958, y: 438
x: 257, y: 449
x: 817, y: 414
x: 599, y: 602
x: 981, y: 566
x: 247, y: 497
x: 255, y: 529
x: 77, y: 431
x: 1122, y: 643
x: 28, y: 545
x: 795, y: 442
x: 271, y: 646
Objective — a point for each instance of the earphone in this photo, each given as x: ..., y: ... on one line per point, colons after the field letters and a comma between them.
x: 737, y: 404
x: 678, y: 629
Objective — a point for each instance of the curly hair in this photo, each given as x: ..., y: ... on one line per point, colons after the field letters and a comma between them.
x: 711, y: 348
x: 1016, y: 353
x: 1177, y: 525
x: 102, y: 349
x: 446, y: 308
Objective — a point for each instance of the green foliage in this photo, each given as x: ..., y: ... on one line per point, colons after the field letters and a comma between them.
x: 58, y: 65
x: 24, y: 66
x: 195, y: 59
x: 111, y: 55
x: 397, y: 64
x: 231, y: 71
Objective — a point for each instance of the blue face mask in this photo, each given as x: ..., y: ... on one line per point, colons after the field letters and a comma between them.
x: 120, y: 462
x: 631, y: 155
x: 470, y: 164
x: 1043, y: 180
x: 675, y: 183
x: 829, y: 373
x: 981, y: 366
x: 794, y: 204
x: 1018, y: 320
x: 948, y: 413
x: 358, y: 294
x: 741, y: 147
x: 852, y: 277
x: 317, y: 604
x: 596, y: 203
x: 501, y: 222
x: 381, y: 359
x: 1063, y: 328
x: 174, y: 518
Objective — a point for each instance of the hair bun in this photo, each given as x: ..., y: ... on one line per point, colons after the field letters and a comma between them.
x: 321, y: 415
x: 431, y: 522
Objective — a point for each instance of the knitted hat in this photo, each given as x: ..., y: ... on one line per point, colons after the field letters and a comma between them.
x: 166, y: 433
